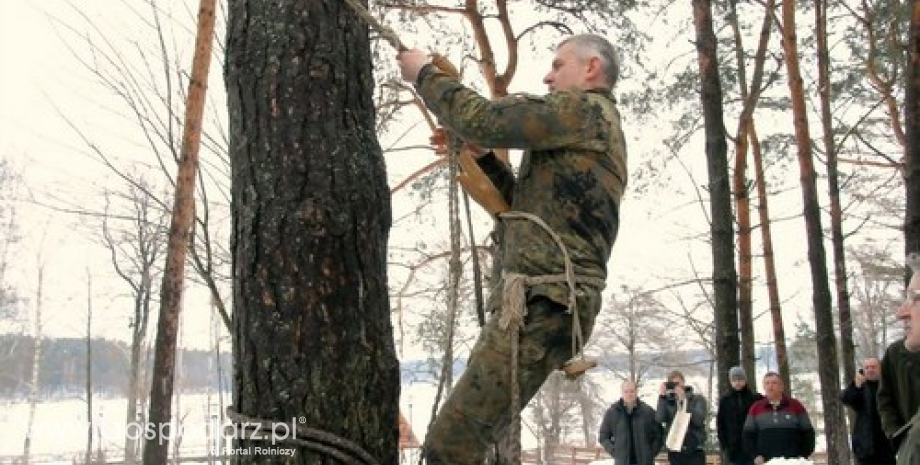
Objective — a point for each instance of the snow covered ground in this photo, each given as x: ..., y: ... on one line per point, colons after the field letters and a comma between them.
x: 59, y: 427
x: 60, y: 431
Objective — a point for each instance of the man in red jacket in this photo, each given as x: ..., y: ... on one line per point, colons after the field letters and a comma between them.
x: 778, y: 426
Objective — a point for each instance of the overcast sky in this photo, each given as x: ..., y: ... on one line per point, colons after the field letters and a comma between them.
x: 42, y: 83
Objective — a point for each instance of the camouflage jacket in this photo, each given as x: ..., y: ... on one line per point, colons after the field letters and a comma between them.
x: 572, y: 174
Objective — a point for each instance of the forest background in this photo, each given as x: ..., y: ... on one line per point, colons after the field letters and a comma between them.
x: 90, y: 138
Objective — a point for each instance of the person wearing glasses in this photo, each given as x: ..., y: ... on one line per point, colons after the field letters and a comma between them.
x: 899, y: 391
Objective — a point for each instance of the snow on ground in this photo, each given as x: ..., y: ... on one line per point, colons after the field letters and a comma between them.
x: 59, y: 427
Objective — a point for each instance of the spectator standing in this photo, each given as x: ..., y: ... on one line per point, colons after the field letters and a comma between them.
x: 733, y: 410
x: 671, y: 393
x: 778, y: 426
x: 868, y: 440
x: 899, y: 388
x: 629, y: 432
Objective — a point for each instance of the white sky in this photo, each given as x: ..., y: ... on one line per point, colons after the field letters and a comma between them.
x: 40, y: 74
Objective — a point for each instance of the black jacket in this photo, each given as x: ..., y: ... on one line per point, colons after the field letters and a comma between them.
x: 647, y: 434
x: 899, y: 391
x: 696, y: 431
x: 733, y: 410
x: 868, y: 439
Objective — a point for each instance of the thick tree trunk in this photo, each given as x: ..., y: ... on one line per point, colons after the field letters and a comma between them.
x: 828, y: 365
x: 912, y: 130
x: 312, y: 338
x: 725, y: 280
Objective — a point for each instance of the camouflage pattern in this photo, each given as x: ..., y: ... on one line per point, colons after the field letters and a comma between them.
x: 572, y: 175
x: 478, y: 410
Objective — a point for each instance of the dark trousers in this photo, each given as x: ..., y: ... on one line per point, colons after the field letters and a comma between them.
x: 697, y: 457
x: 878, y: 459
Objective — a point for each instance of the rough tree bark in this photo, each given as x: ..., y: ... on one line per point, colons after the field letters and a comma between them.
x: 724, y: 277
x: 312, y: 338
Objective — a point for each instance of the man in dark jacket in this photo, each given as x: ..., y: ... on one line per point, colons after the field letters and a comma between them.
x: 733, y: 410
x: 778, y: 426
x: 629, y: 432
x: 899, y: 388
x: 870, y: 446
x: 672, y: 395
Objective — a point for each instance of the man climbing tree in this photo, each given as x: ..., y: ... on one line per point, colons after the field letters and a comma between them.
x: 311, y: 327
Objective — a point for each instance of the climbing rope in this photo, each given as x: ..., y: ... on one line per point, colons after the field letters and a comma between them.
x: 514, y: 311
x: 455, y: 271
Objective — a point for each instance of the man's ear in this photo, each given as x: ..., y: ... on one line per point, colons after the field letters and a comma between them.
x: 595, y: 69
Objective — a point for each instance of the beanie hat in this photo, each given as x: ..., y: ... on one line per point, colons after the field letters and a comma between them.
x: 737, y: 372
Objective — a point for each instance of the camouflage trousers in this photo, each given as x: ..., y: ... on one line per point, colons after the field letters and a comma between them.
x: 478, y: 410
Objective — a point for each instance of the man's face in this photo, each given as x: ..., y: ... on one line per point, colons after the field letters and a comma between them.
x: 568, y: 72
x: 677, y: 380
x: 773, y: 387
x: 628, y: 392
x: 909, y: 313
x: 871, y: 369
x: 738, y: 384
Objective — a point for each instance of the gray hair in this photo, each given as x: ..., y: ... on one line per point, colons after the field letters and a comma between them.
x: 588, y: 46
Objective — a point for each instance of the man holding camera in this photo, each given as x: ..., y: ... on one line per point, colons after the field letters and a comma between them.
x: 870, y: 445
x: 674, y: 394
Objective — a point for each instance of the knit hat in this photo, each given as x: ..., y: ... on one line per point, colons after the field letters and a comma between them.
x: 737, y: 373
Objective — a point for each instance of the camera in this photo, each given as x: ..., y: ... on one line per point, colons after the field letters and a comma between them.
x: 669, y: 387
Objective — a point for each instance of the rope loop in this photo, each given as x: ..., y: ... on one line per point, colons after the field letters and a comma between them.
x: 316, y: 440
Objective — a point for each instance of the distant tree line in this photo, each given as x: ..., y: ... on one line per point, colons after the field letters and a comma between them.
x: 63, y: 367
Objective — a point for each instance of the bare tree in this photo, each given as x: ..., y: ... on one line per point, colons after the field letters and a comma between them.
x: 634, y: 324
x: 136, y: 241
x: 36, y: 361
x: 9, y: 236
x: 89, y: 368
x: 876, y: 290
